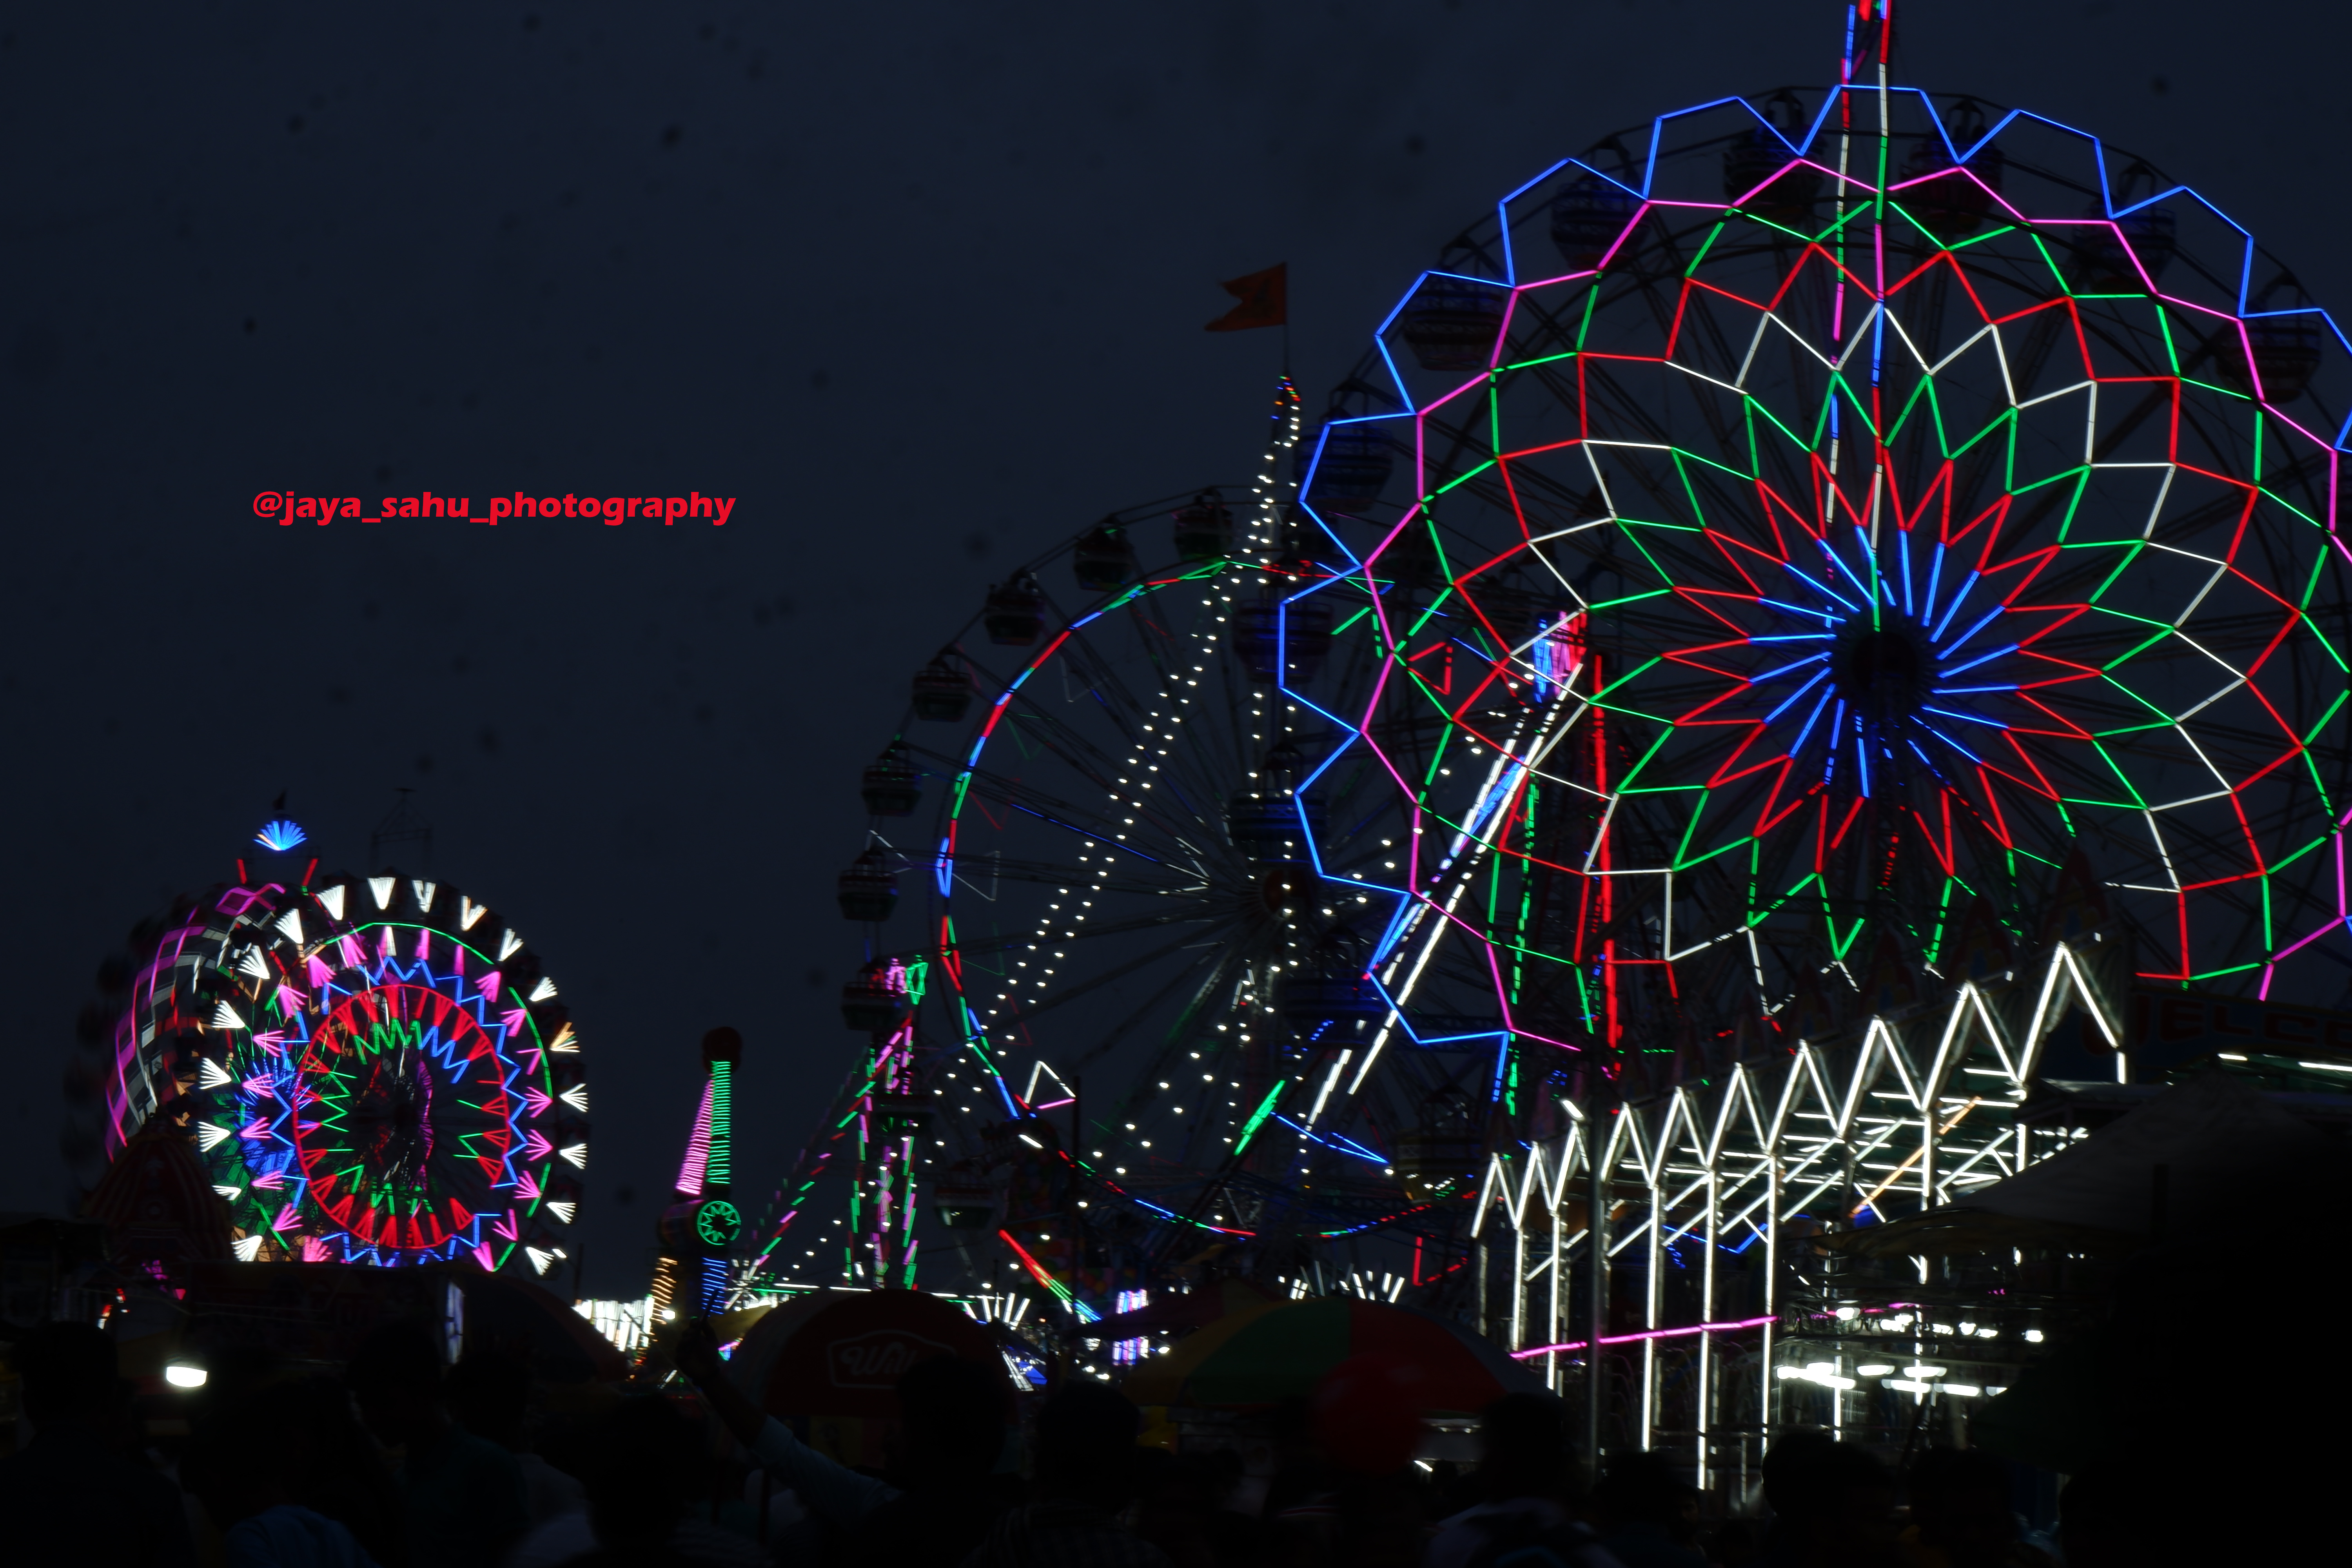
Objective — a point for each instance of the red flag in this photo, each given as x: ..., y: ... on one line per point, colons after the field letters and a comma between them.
x: 1264, y: 300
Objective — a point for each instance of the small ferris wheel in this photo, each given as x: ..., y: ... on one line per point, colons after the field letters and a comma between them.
x: 372, y: 1069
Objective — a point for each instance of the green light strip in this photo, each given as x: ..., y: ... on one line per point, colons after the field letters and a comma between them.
x: 717, y: 1168
x: 1257, y: 1117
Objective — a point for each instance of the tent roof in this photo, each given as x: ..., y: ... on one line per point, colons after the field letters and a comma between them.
x: 2218, y: 1142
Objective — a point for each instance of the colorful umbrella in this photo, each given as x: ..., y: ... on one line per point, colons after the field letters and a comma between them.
x: 1261, y: 1354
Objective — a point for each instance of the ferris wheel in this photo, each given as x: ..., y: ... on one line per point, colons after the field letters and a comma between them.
x: 1134, y: 1003
x: 374, y: 1069
x: 1850, y: 568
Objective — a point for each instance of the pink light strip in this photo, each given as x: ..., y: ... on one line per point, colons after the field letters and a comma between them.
x: 698, y: 1150
x: 1647, y: 1334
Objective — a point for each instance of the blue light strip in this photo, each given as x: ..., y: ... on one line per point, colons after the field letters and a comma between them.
x: 1839, y: 561
x: 1870, y: 554
x: 1957, y: 599
x: 1334, y: 1142
x: 1955, y: 744
x: 1819, y: 676
x: 1971, y: 718
x: 1811, y: 718
x: 1961, y: 641
x: 1980, y: 659
x: 1820, y: 587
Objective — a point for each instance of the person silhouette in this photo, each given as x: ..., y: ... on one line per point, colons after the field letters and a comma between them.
x: 69, y: 1497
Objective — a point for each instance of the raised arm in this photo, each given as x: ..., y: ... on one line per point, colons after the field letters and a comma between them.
x: 697, y: 1357
x: 837, y: 1491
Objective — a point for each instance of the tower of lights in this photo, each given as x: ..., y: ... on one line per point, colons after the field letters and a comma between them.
x: 700, y: 1230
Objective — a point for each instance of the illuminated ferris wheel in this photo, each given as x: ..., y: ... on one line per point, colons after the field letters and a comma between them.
x: 1133, y: 922
x: 1865, y: 530
x: 373, y: 1069
x: 1132, y: 1016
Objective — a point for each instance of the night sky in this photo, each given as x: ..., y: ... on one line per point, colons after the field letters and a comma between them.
x: 920, y: 285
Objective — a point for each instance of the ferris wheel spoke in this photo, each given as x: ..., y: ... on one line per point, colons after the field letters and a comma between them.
x: 1200, y: 773
x: 1118, y: 698
x: 1057, y: 811
x: 1162, y: 659
x: 1057, y: 874
x: 1063, y: 997
x: 980, y: 945
x: 1224, y: 965
x: 1007, y: 789
x: 1040, y: 732
x: 1183, y: 828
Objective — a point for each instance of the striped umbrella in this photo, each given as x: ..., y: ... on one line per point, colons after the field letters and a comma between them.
x: 1261, y: 1354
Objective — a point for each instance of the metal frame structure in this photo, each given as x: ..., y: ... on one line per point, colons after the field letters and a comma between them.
x: 1708, y: 1356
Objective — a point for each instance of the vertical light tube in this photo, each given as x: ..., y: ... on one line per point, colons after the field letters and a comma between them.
x: 1596, y: 1284
x: 1551, y: 1330
x: 1518, y: 1285
x: 906, y: 1213
x: 1707, y: 1314
x: 1927, y: 1140
x: 715, y: 1155
x: 1768, y: 1397
x: 1650, y: 1304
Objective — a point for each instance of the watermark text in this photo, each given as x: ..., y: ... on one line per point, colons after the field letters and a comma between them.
x: 290, y: 506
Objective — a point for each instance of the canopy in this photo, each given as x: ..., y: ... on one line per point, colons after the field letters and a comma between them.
x: 2217, y: 1143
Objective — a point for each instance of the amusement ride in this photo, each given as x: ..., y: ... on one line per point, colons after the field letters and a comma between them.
x: 373, y: 1069
x: 1141, y: 927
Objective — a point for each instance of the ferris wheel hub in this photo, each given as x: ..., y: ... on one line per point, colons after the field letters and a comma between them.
x: 1882, y: 669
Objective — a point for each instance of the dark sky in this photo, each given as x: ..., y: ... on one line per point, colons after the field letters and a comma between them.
x: 920, y: 284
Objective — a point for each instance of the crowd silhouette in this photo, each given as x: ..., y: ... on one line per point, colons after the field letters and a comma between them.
x: 404, y: 1462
